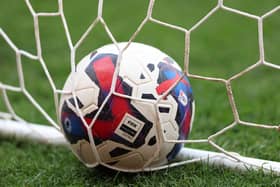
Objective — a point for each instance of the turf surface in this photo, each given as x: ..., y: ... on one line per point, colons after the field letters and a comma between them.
x: 221, y: 47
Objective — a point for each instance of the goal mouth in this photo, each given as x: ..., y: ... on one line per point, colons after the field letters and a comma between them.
x: 12, y: 124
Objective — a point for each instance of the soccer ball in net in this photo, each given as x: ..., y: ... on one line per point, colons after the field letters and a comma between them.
x: 124, y: 114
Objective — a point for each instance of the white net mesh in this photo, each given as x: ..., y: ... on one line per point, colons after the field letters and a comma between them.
x: 227, y: 83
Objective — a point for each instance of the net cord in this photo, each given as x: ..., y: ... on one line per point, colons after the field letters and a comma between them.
x: 11, y: 123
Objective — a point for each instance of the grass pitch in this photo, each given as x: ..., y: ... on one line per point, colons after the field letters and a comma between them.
x: 221, y: 47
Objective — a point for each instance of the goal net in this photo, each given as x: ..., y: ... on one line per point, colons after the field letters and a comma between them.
x: 15, y: 125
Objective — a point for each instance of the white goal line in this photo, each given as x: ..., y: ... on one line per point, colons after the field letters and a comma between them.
x: 50, y: 135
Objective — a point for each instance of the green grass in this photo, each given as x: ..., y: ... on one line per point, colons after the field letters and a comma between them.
x: 224, y: 45
x: 36, y: 165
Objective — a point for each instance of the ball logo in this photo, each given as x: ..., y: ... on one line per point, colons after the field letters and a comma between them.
x: 129, y: 128
x: 183, y: 98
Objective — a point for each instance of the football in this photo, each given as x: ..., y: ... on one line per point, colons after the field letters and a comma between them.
x: 120, y: 109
